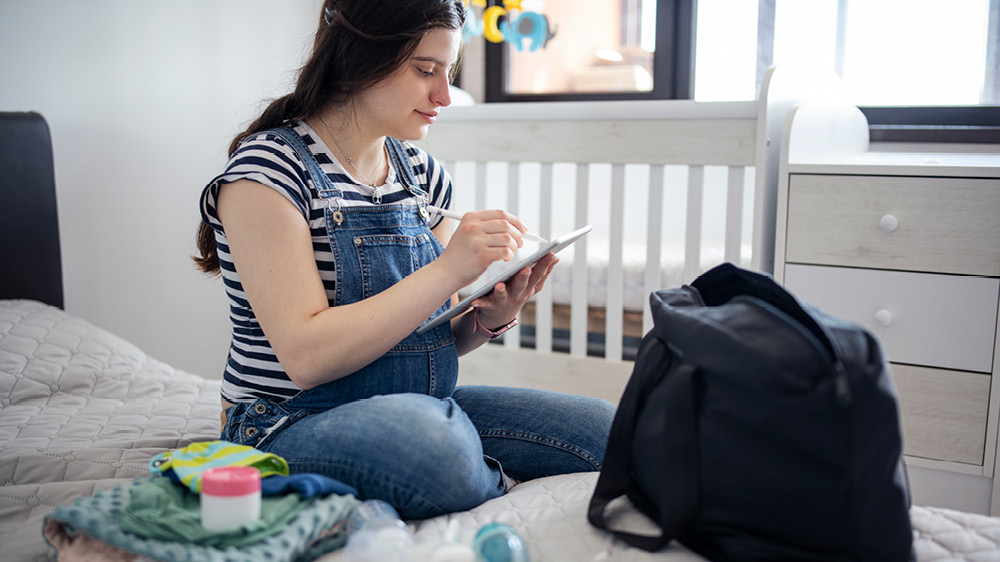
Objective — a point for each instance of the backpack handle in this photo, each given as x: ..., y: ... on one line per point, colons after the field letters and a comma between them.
x: 657, y: 383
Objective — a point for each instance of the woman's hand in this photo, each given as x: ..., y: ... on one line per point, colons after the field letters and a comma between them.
x: 481, y: 238
x: 502, y: 304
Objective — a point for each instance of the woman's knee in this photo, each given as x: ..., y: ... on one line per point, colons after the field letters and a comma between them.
x: 440, y: 451
x: 419, y: 453
x: 537, y: 433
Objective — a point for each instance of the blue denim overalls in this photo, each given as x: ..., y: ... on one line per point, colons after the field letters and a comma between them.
x: 374, y: 246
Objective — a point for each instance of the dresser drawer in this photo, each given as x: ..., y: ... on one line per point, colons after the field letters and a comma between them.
x: 942, y: 225
x: 945, y: 321
x: 943, y: 413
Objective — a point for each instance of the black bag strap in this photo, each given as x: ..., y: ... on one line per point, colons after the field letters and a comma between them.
x: 671, y: 392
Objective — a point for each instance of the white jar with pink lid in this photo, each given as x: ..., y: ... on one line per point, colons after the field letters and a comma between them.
x: 230, y: 497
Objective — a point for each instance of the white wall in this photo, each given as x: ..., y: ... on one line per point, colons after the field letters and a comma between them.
x: 142, y: 98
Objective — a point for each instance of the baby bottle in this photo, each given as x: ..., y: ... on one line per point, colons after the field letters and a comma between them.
x: 375, y: 533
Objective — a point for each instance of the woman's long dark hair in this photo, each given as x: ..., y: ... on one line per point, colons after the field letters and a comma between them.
x: 358, y: 44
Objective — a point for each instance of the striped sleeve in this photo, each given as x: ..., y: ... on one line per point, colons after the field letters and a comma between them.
x: 267, y: 160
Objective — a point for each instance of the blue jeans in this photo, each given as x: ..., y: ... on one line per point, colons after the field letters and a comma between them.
x: 398, y: 429
x: 428, y: 456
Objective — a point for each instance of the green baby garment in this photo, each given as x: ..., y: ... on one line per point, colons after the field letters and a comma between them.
x: 166, y: 511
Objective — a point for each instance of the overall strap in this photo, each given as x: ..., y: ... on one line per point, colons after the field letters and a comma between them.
x: 403, y: 169
x: 319, y: 179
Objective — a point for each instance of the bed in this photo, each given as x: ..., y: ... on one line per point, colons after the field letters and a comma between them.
x: 82, y: 410
x: 85, y: 410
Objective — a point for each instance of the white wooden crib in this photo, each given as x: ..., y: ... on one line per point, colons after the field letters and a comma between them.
x: 672, y: 188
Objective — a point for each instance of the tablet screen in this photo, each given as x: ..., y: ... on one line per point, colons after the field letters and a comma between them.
x: 553, y: 246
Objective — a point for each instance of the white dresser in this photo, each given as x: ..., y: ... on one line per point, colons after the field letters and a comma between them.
x: 907, y: 245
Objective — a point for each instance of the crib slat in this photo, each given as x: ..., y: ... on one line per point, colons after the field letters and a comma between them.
x: 512, y: 338
x: 514, y: 187
x: 654, y: 243
x: 692, y: 237
x: 480, y: 185
x: 734, y: 214
x: 543, y: 300
x: 580, y: 283
x: 616, y: 278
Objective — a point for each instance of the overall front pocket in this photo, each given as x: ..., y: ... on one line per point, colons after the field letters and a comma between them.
x: 385, y: 259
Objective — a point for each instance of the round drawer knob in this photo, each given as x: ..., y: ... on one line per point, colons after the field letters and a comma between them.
x: 883, y: 317
x: 889, y: 223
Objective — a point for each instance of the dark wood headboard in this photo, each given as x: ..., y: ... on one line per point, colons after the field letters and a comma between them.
x: 30, y: 259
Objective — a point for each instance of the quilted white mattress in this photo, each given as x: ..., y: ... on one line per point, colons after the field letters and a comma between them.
x: 550, y: 513
x: 82, y: 409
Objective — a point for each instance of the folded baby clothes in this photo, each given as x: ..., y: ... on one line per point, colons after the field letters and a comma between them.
x: 315, y: 529
x: 187, y: 464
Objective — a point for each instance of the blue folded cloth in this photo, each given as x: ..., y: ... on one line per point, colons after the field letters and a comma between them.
x: 305, y: 484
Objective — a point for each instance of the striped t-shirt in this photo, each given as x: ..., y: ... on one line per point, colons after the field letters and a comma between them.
x: 252, y: 370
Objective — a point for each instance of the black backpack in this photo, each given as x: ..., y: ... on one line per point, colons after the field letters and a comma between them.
x: 755, y: 428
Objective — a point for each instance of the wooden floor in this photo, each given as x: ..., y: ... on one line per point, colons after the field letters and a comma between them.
x: 527, y: 368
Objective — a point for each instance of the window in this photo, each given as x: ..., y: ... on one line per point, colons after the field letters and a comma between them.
x: 538, y: 50
x: 916, y: 67
x: 889, y: 52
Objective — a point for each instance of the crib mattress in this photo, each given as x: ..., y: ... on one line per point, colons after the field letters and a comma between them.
x: 633, y: 263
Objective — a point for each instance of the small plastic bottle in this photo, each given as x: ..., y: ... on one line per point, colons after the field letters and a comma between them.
x: 497, y: 542
x: 375, y: 533
x: 230, y: 497
x: 451, y: 548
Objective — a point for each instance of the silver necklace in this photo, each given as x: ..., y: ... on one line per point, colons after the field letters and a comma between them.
x: 376, y: 193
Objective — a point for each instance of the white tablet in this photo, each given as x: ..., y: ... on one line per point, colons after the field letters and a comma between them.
x: 554, y: 246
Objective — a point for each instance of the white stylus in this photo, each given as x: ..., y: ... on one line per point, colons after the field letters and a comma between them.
x: 458, y: 216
